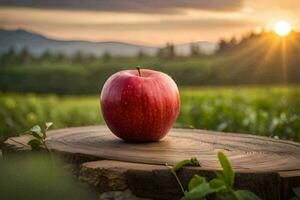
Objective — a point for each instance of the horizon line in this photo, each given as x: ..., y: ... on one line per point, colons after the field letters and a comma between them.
x: 105, y: 41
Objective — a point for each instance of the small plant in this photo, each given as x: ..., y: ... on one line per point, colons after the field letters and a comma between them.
x: 191, y: 162
x: 39, y: 136
x: 220, y: 188
x: 297, y: 193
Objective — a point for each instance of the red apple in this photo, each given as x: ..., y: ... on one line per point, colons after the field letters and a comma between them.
x: 140, y: 105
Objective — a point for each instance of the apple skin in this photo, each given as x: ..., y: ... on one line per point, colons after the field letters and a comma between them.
x: 140, y: 107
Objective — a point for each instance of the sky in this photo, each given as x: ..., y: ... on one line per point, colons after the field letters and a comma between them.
x: 148, y: 22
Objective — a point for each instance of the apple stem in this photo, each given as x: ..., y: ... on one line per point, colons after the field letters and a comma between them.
x: 139, y: 70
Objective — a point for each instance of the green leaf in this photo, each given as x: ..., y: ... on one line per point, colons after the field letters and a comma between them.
x: 192, y: 162
x: 48, y: 125
x: 195, y: 181
x: 200, y: 191
x: 220, y: 186
x: 297, y: 191
x: 246, y: 195
x: 228, y: 173
x: 180, y: 164
x: 34, y: 143
x: 36, y: 135
x: 217, y: 183
x: 36, y: 132
x: 36, y: 129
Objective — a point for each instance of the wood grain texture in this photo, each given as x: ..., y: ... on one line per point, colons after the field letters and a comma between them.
x: 289, y: 179
x: 157, y: 181
x: 246, y: 152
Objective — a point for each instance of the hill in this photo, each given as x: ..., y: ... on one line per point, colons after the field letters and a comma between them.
x: 37, y: 44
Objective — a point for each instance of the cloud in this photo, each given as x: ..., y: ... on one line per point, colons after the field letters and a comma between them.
x: 170, y: 25
x: 138, y: 6
x: 119, y: 22
x: 196, y: 24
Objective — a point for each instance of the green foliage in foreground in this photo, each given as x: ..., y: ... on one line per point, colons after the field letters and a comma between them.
x: 220, y: 188
x: 37, y: 176
x: 269, y: 111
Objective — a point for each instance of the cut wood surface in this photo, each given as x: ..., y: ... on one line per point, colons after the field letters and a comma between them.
x: 246, y: 152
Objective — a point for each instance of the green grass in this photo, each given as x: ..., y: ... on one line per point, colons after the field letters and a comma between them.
x: 270, y: 111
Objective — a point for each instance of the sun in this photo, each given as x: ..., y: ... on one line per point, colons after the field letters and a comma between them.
x: 282, y: 28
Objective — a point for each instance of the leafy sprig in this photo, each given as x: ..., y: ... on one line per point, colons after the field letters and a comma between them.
x: 191, y: 162
x: 221, y: 187
x: 39, y: 136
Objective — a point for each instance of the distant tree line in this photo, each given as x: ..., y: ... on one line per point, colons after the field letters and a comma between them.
x: 252, y: 59
x: 13, y: 57
x: 24, y: 56
x: 228, y: 44
x: 166, y: 52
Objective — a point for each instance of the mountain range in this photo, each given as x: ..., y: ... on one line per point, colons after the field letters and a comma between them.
x: 36, y: 44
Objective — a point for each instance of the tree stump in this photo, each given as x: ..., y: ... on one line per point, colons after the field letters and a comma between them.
x: 266, y: 166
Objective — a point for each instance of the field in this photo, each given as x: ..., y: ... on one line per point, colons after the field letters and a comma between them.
x: 269, y: 111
